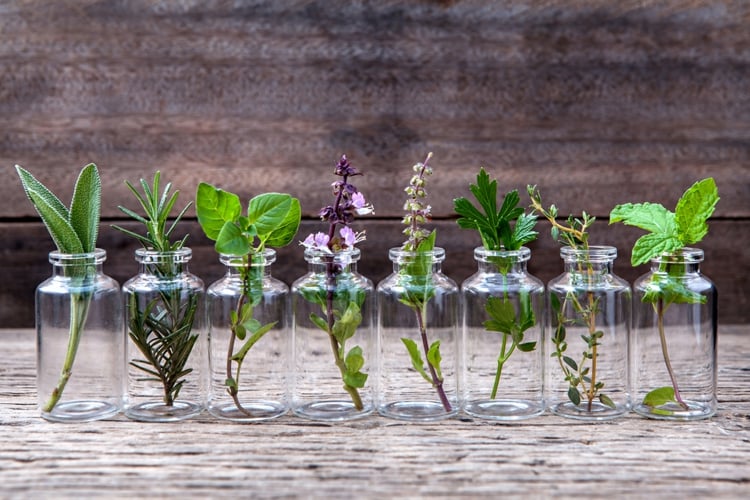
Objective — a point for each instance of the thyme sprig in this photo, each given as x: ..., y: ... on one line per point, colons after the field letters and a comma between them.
x: 581, y: 377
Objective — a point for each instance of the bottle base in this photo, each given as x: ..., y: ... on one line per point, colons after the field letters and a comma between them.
x: 251, y: 411
x: 81, y: 411
x: 333, y: 410
x: 673, y: 411
x: 157, y: 411
x: 416, y: 411
x: 598, y: 411
x: 504, y: 409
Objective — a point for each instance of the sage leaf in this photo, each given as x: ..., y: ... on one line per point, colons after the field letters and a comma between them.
x: 85, y: 207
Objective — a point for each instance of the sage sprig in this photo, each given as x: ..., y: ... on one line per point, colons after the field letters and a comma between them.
x: 668, y: 232
x: 272, y: 220
x: 74, y: 231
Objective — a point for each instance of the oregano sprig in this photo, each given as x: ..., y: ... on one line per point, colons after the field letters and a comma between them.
x: 667, y: 233
x: 508, y: 228
x: 272, y: 220
x: 74, y: 231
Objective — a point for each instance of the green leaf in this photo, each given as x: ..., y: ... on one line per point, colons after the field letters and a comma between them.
x: 214, y: 208
x: 652, y: 245
x: 85, y: 207
x: 287, y: 229
x: 434, y: 358
x: 659, y: 396
x: 570, y: 362
x: 267, y: 211
x: 355, y: 360
x: 319, y: 322
x: 606, y: 400
x: 53, y: 213
x: 574, y: 396
x: 502, y: 316
x: 693, y: 210
x: 523, y: 232
x: 345, y: 327
x: 232, y: 241
x: 527, y: 347
x: 255, y: 336
x: 652, y: 217
x: 416, y: 358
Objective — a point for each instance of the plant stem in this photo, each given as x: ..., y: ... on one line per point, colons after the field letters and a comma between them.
x: 665, y: 352
x: 331, y: 278
x: 500, y: 362
x: 592, y: 328
x: 79, y: 307
x: 234, y: 390
x: 436, y: 382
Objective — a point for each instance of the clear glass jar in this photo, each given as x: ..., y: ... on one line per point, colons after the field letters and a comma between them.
x: 248, y: 340
x: 589, y: 310
x: 165, y: 324
x: 418, y: 311
x: 331, y: 381
x: 674, y: 339
x: 503, y: 318
x: 80, y: 345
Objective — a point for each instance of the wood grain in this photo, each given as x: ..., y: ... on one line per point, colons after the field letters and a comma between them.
x: 374, y: 457
x: 596, y: 102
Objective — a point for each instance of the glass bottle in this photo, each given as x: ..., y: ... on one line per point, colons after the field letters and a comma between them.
x: 587, y: 362
x: 418, y: 313
x: 80, y: 345
x: 503, y: 318
x: 333, y: 355
x: 248, y: 361
x: 674, y: 339
x: 164, y: 321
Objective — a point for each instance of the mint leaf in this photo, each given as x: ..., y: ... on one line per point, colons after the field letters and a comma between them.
x: 693, y: 210
x: 652, y: 217
x: 659, y: 396
x: 652, y: 245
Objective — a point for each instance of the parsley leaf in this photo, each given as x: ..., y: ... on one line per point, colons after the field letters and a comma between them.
x: 494, y: 226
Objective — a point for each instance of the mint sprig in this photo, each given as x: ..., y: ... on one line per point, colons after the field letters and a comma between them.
x: 669, y: 231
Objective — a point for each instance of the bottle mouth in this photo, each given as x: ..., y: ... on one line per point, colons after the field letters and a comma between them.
x: 685, y: 255
x: 148, y: 256
x: 98, y: 256
x: 595, y: 253
x: 342, y: 257
x: 399, y: 255
x: 482, y: 254
x: 267, y: 257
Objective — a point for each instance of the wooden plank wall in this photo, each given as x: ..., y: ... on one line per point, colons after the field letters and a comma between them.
x: 596, y: 102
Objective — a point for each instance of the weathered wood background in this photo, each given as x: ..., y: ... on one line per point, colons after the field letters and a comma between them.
x: 596, y: 102
x: 462, y: 458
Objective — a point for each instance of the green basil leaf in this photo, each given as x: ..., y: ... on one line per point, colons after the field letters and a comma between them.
x: 231, y: 240
x: 214, y: 208
x: 267, y: 211
x: 286, y: 230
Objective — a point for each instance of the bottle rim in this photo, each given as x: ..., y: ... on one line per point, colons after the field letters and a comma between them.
x: 398, y: 254
x: 58, y: 258
x: 685, y: 255
x: 150, y: 256
x: 346, y: 256
x: 268, y: 257
x: 483, y: 254
x: 595, y: 253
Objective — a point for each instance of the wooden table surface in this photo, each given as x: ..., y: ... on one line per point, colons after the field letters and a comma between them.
x: 373, y: 457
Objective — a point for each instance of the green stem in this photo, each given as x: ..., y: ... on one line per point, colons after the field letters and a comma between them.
x: 500, y: 362
x: 79, y: 308
x: 665, y: 352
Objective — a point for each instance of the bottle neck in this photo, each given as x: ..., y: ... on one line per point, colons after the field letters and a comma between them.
x: 344, y: 261
x: 502, y: 261
x: 681, y: 262
x: 163, y: 264
x: 258, y: 263
x: 590, y: 265
x: 77, y: 265
x: 417, y: 263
